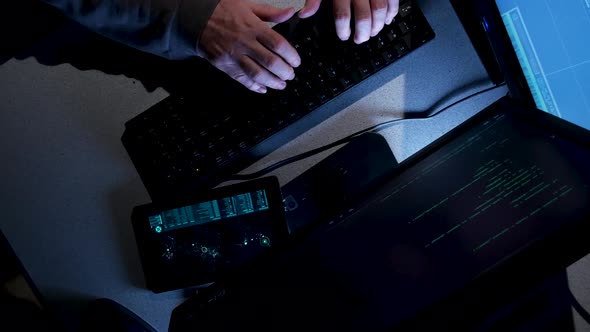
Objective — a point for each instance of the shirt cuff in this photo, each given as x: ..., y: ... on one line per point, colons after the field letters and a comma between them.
x: 192, y: 18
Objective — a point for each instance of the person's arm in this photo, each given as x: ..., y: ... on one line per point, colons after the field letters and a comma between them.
x: 231, y: 34
x: 168, y: 28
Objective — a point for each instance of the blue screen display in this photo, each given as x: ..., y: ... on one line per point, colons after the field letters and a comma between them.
x: 204, y: 212
x: 550, y: 38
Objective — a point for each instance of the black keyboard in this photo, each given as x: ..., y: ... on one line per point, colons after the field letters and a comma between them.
x: 193, y: 141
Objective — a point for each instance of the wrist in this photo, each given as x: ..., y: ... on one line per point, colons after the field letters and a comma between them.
x: 192, y: 19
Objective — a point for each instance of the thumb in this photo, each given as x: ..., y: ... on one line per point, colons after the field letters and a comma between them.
x: 310, y: 8
x: 273, y: 14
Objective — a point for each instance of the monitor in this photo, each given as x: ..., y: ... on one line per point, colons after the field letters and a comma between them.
x: 538, y: 47
x: 550, y: 39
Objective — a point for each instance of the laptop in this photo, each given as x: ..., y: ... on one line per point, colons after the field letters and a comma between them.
x: 488, y: 210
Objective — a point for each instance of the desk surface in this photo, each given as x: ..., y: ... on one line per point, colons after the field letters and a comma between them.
x: 69, y: 186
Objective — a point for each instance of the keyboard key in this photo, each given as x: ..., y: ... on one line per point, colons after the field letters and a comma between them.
x: 331, y: 71
x: 389, y: 55
x: 335, y: 89
x: 323, y: 95
x: 365, y: 70
x: 310, y: 104
x: 392, y: 35
x: 404, y: 27
x: 405, y: 9
x: 401, y: 48
x: 243, y: 145
x: 378, y: 63
x: 378, y: 43
x: 346, y: 82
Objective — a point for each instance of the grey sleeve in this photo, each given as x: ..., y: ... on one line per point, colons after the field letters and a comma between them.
x: 168, y: 28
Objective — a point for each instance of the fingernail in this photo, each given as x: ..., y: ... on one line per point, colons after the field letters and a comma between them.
x: 262, y: 89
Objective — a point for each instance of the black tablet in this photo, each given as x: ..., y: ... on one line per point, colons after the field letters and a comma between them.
x: 194, y: 240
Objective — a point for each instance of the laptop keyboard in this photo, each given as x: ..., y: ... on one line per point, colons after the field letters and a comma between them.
x: 180, y: 145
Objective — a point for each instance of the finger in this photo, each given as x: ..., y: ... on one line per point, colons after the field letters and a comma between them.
x: 250, y: 84
x: 279, y: 45
x: 259, y: 74
x: 362, y: 17
x: 310, y: 8
x: 271, y: 62
x: 342, y: 18
x: 268, y: 13
x: 392, y: 9
x: 378, y: 11
x: 235, y: 71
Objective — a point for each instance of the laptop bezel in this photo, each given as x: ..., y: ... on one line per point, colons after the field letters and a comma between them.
x: 483, y: 24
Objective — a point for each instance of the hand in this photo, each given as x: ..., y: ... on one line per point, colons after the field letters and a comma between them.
x: 237, y: 41
x: 369, y: 15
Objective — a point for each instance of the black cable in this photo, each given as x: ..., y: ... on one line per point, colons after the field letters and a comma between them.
x: 428, y: 113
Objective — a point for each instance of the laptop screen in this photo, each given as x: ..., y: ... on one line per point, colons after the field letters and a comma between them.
x: 499, y: 185
x: 550, y: 41
x: 459, y: 212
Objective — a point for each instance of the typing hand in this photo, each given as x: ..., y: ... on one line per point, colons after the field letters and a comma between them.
x: 237, y: 41
x: 369, y: 15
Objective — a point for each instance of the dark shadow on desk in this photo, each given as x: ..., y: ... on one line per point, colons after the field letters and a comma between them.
x: 67, y: 306
x: 121, y: 200
x: 30, y: 28
x: 545, y: 308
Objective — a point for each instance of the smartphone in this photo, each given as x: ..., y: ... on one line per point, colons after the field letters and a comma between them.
x: 195, y: 240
